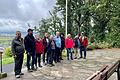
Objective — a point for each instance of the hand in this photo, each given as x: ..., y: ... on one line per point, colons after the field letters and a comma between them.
x: 14, y: 56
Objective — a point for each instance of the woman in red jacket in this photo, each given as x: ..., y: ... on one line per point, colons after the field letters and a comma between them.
x: 39, y: 50
x: 69, y: 45
x: 84, y: 44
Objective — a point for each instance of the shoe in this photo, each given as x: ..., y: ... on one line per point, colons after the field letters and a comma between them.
x: 75, y: 58
x: 80, y: 57
x: 72, y: 59
x: 21, y: 73
x: 40, y: 66
x: 52, y: 64
x: 30, y: 70
x: 58, y: 61
x: 34, y: 69
x: 44, y: 64
x: 17, y: 76
x: 84, y: 57
x: 61, y: 59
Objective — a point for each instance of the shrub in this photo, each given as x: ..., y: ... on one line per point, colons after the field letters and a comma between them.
x: 8, y: 52
x: 98, y: 45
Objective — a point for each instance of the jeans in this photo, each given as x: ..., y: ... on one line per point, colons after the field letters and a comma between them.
x: 69, y: 54
x: 38, y: 59
x: 29, y: 55
x: 51, y: 56
x: 45, y: 55
x: 82, y: 48
x: 57, y: 54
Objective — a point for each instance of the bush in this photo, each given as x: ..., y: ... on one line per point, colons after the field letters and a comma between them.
x: 98, y: 45
x: 8, y: 52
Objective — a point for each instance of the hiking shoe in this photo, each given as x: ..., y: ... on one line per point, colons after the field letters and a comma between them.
x: 80, y: 57
x: 30, y: 70
x: 75, y: 58
x: 40, y: 66
x: 21, y: 73
x: 52, y: 64
x: 17, y: 76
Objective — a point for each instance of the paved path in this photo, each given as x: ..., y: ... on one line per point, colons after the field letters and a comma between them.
x: 73, y: 70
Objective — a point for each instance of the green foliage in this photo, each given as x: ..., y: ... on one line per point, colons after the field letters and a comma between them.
x: 99, y: 45
x: 8, y: 52
x: 98, y: 18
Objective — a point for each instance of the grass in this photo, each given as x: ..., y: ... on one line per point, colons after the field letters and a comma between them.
x: 9, y: 60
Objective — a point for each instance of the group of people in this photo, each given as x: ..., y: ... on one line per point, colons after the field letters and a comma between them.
x: 49, y: 49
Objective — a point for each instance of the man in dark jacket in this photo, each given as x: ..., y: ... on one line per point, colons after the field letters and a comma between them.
x: 29, y: 42
x: 62, y: 45
x: 18, y: 53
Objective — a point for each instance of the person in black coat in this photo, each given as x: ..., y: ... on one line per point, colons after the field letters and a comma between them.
x: 29, y: 42
x: 18, y: 53
x: 62, y: 44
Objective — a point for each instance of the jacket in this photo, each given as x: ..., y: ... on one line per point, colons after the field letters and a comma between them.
x: 39, y: 47
x: 29, y: 42
x: 45, y: 43
x: 69, y: 43
x: 17, y: 46
x: 57, y: 41
x: 62, y: 43
x: 84, y: 42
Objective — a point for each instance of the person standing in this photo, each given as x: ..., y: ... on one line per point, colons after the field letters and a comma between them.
x: 57, y: 40
x: 39, y: 50
x: 18, y: 53
x: 45, y: 43
x: 84, y: 44
x: 76, y: 45
x: 51, y: 51
x: 62, y: 44
x: 69, y: 43
x: 29, y: 42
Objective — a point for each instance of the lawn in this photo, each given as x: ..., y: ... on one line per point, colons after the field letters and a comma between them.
x: 9, y: 60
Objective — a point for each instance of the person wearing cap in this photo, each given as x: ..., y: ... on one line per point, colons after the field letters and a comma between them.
x: 29, y: 42
x: 84, y: 44
x: 18, y: 50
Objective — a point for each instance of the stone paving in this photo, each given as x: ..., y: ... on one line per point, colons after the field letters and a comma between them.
x: 73, y: 70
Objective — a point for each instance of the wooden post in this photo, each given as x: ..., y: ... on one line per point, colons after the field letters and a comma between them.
x: 2, y: 75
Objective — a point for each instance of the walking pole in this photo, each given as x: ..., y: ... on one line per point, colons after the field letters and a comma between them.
x: 2, y: 75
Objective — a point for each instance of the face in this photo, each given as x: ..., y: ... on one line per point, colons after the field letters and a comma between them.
x: 62, y: 35
x: 57, y: 33
x: 46, y: 34
x: 18, y: 34
x: 69, y: 36
x: 82, y: 34
x: 51, y: 37
x: 30, y: 32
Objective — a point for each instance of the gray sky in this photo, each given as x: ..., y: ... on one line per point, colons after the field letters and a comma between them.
x: 15, y: 14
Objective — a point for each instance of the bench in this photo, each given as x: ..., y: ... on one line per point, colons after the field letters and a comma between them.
x: 106, y: 71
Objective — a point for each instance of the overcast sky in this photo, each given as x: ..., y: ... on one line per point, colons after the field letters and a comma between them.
x: 15, y: 14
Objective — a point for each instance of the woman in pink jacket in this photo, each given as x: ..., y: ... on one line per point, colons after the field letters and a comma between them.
x: 69, y: 45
